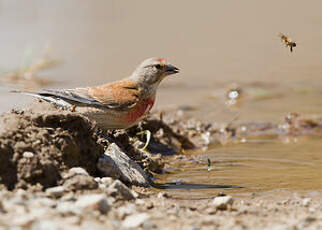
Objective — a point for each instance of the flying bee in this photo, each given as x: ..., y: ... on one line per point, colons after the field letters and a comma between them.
x: 287, y: 41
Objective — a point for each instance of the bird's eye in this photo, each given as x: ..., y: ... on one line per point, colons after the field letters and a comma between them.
x: 158, y: 66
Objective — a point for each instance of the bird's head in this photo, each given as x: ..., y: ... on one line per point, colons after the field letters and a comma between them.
x: 151, y: 71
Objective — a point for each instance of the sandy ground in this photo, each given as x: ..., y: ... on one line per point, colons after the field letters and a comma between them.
x: 279, y: 209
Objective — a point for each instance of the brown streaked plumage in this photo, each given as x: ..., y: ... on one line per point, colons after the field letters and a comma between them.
x: 115, y: 105
x: 127, y: 93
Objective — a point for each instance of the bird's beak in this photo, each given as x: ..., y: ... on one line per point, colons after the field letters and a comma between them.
x: 170, y: 69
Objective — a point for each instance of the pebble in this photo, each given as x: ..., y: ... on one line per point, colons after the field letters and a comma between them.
x: 192, y: 227
x: 2, y: 209
x: 67, y: 208
x: 148, y: 224
x: 163, y: 195
x: 94, y: 202
x: 44, y: 202
x: 97, y: 179
x: 281, y: 227
x: 68, y: 197
x: 121, y: 191
x: 312, y: 210
x: 73, y: 220
x: 22, y: 194
x: 11, y: 206
x: 101, y: 186
x: 80, y: 182
x: 41, y: 224
x: 77, y: 170
x: 126, y: 210
x: 18, y: 201
x: 139, y: 202
x: 28, y: 155
x: 306, y: 202
x: 56, y: 192
x: 111, y: 200
x: 135, y: 220
x: 89, y: 225
x: 23, y: 220
x: 222, y: 202
x: 106, y: 181
x: 306, y: 222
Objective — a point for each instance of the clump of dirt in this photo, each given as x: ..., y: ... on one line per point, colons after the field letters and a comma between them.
x: 37, y: 147
x: 39, y: 144
x: 164, y: 141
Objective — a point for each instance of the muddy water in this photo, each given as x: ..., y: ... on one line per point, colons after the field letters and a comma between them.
x: 259, y: 165
x: 214, y: 43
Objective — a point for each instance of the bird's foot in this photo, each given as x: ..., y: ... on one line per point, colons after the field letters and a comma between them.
x: 73, y: 108
x: 148, y: 138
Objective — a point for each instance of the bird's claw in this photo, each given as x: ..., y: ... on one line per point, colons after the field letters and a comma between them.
x: 148, y: 138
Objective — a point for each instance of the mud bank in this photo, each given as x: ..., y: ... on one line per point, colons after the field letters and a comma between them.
x: 38, y: 147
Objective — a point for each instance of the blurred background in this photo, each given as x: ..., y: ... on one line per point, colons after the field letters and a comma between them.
x: 214, y: 43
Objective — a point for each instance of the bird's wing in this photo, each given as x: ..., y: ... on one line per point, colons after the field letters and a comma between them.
x: 79, y: 95
x: 117, y: 95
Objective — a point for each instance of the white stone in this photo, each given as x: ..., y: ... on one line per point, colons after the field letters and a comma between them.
x: 55, y: 191
x: 45, y: 202
x: 93, y: 201
x: 126, y: 210
x: 67, y: 208
x: 45, y: 225
x: 306, y: 202
x: 139, y: 202
x: 135, y: 220
x: 222, y: 202
x: 28, y: 155
x: 77, y: 170
x: 106, y: 180
x: 118, y: 189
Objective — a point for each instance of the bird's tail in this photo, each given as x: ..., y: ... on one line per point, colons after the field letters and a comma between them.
x: 29, y: 93
x: 42, y: 96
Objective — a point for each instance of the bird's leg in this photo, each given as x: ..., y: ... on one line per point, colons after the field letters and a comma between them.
x: 209, y: 165
x: 148, y: 138
x: 73, y: 108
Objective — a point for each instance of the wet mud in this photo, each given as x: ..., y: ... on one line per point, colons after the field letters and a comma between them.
x: 38, y: 147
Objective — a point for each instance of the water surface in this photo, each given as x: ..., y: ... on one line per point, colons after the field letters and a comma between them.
x: 262, y: 165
